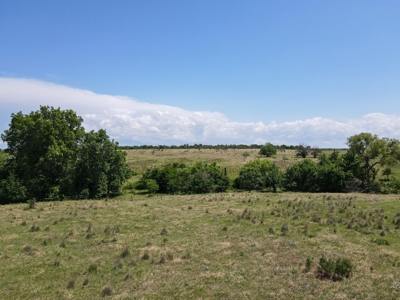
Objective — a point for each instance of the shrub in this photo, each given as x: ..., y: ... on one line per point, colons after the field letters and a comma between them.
x: 335, y: 269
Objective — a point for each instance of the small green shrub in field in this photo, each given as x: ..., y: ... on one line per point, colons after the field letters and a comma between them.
x: 381, y: 242
x: 308, y: 264
x: 335, y: 269
x: 31, y: 203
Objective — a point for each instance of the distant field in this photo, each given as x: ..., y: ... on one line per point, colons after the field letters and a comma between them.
x: 232, y: 160
x: 214, y: 246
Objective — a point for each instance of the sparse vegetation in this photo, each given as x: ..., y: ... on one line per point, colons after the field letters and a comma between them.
x: 244, y: 239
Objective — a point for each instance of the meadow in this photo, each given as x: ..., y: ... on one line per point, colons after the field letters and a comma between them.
x: 236, y: 245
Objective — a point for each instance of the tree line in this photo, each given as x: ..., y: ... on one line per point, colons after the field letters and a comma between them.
x: 50, y: 156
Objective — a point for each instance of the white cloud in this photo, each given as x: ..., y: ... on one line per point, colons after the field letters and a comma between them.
x: 133, y: 122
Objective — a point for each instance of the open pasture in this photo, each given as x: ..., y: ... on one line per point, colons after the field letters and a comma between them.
x: 213, y: 246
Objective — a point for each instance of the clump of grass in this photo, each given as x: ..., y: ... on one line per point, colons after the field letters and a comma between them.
x: 224, y: 228
x: 71, y: 284
x: 85, y: 282
x: 23, y: 223
x: 92, y: 268
x: 164, y: 231
x: 107, y: 230
x: 34, y: 228
x: 28, y: 249
x: 146, y: 255
x: 308, y: 264
x: 57, y: 263
x: 107, y: 291
x: 162, y: 258
x: 126, y: 252
x: 381, y: 242
x: 127, y: 276
x: 119, y: 264
x: 31, y: 203
x: 62, y: 244
x: 285, y: 229
x: 271, y: 230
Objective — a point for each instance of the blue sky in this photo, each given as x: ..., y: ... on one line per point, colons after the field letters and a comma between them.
x: 173, y: 72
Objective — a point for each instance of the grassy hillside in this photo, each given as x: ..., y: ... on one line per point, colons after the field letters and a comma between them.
x: 215, y: 246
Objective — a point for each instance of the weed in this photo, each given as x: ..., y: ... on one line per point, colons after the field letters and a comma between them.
x: 308, y: 264
x: 285, y: 229
x: 71, y: 284
x: 126, y: 252
x: 107, y: 291
x: 146, y: 255
x: 31, y: 203
x: 34, y: 228
x: 92, y: 268
x: 85, y: 282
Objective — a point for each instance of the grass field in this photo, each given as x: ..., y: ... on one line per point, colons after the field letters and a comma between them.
x: 214, y: 246
x: 232, y: 160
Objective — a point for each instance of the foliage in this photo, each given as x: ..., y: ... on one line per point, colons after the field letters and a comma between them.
x: 302, y: 177
x: 179, y: 178
x: 51, y: 157
x: 335, y: 269
x: 12, y: 190
x: 268, y: 150
x: 101, y: 169
x: 302, y: 150
x: 152, y: 186
x: 259, y: 174
x: 373, y: 152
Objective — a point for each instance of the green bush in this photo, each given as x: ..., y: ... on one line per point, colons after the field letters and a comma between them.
x: 335, y: 269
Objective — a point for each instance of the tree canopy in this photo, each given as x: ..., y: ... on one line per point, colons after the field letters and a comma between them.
x: 46, y: 151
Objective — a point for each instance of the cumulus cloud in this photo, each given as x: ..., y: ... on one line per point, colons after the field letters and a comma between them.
x: 133, y: 122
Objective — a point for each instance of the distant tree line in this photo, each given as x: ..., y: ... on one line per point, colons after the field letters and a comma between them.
x: 50, y: 156
x: 354, y: 171
x: 205, y: 146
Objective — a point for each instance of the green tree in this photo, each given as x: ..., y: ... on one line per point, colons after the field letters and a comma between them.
x: 259, y: 174
x: 373, y: 152
x: 302, y: 177
x: 101, y: 168
x: 42, y: 148
x: 268, y: 150
x: 302, y: 150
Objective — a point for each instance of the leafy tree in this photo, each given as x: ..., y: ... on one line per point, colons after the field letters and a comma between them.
x: 371, y: 153
x: 12, y: 190
x: 259, y: 174
x: 315, y: 151
x: 51, y: 157
x: 331, y: 176
x: 302, y: 177
x: 42, y: 148
x: 101, y: 169
x: 302, y: 150
x: 268, y: 150
x: 245, y: 155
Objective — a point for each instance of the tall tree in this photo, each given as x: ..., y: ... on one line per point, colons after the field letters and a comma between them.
x: 268, y: 150
x: 42, y: 149
x: 101, y: 167
x: 373, y: 152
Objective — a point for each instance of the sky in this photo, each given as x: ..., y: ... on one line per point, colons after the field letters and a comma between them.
x: 212, y: 72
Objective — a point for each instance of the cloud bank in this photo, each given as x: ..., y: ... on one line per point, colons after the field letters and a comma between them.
x: 132, y: 122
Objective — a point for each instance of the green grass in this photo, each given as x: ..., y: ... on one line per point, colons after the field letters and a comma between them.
x: 214, y: 246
